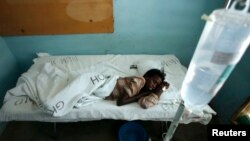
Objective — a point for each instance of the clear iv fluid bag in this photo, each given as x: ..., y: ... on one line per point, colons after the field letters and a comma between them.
x: 224, y: 40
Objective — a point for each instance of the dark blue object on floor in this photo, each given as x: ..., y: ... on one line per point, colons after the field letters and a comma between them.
x: 132, y: 131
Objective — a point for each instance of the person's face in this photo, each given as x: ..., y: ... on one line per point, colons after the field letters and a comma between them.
x: 152, y: 81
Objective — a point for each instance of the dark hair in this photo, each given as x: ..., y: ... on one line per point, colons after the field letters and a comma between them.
x: 153, y: 72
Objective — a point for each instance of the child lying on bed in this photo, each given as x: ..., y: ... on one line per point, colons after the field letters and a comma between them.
x: 146, y: 90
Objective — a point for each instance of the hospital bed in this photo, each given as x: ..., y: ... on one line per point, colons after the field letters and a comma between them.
x: 20, y: 104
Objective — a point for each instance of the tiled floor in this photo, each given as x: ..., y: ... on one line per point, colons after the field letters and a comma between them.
x: 103, y: 130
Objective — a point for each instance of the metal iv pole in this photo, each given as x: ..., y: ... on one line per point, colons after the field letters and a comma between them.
x: 175, y: 122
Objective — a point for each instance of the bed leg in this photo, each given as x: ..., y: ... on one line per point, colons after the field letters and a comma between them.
x: 175, y: 122
x: 54, y: 128
x: 53, y: 133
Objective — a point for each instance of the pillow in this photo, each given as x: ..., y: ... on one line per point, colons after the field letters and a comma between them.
x: 175, y: 73
x: 144, y: 66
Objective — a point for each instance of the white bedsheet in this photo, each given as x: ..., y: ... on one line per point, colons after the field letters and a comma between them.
x: 57, y: 92
x: 21, y: 106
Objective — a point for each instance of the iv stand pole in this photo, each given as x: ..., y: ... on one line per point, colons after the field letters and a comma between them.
x: 175, y: 122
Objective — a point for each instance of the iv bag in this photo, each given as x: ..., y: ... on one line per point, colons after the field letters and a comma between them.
x: 223, y: 42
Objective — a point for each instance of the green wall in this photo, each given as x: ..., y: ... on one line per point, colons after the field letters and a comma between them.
x: 8, y: 73
x: 9, y: 69
x: 140, y: 27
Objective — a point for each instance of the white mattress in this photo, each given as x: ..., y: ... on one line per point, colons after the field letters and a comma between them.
x: 22, y: 108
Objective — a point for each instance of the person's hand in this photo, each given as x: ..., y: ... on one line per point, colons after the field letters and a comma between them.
x: 162, y: 87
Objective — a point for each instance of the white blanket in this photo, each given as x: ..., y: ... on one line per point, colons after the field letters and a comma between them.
x: 71, y: 71
x: 57, y: 92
